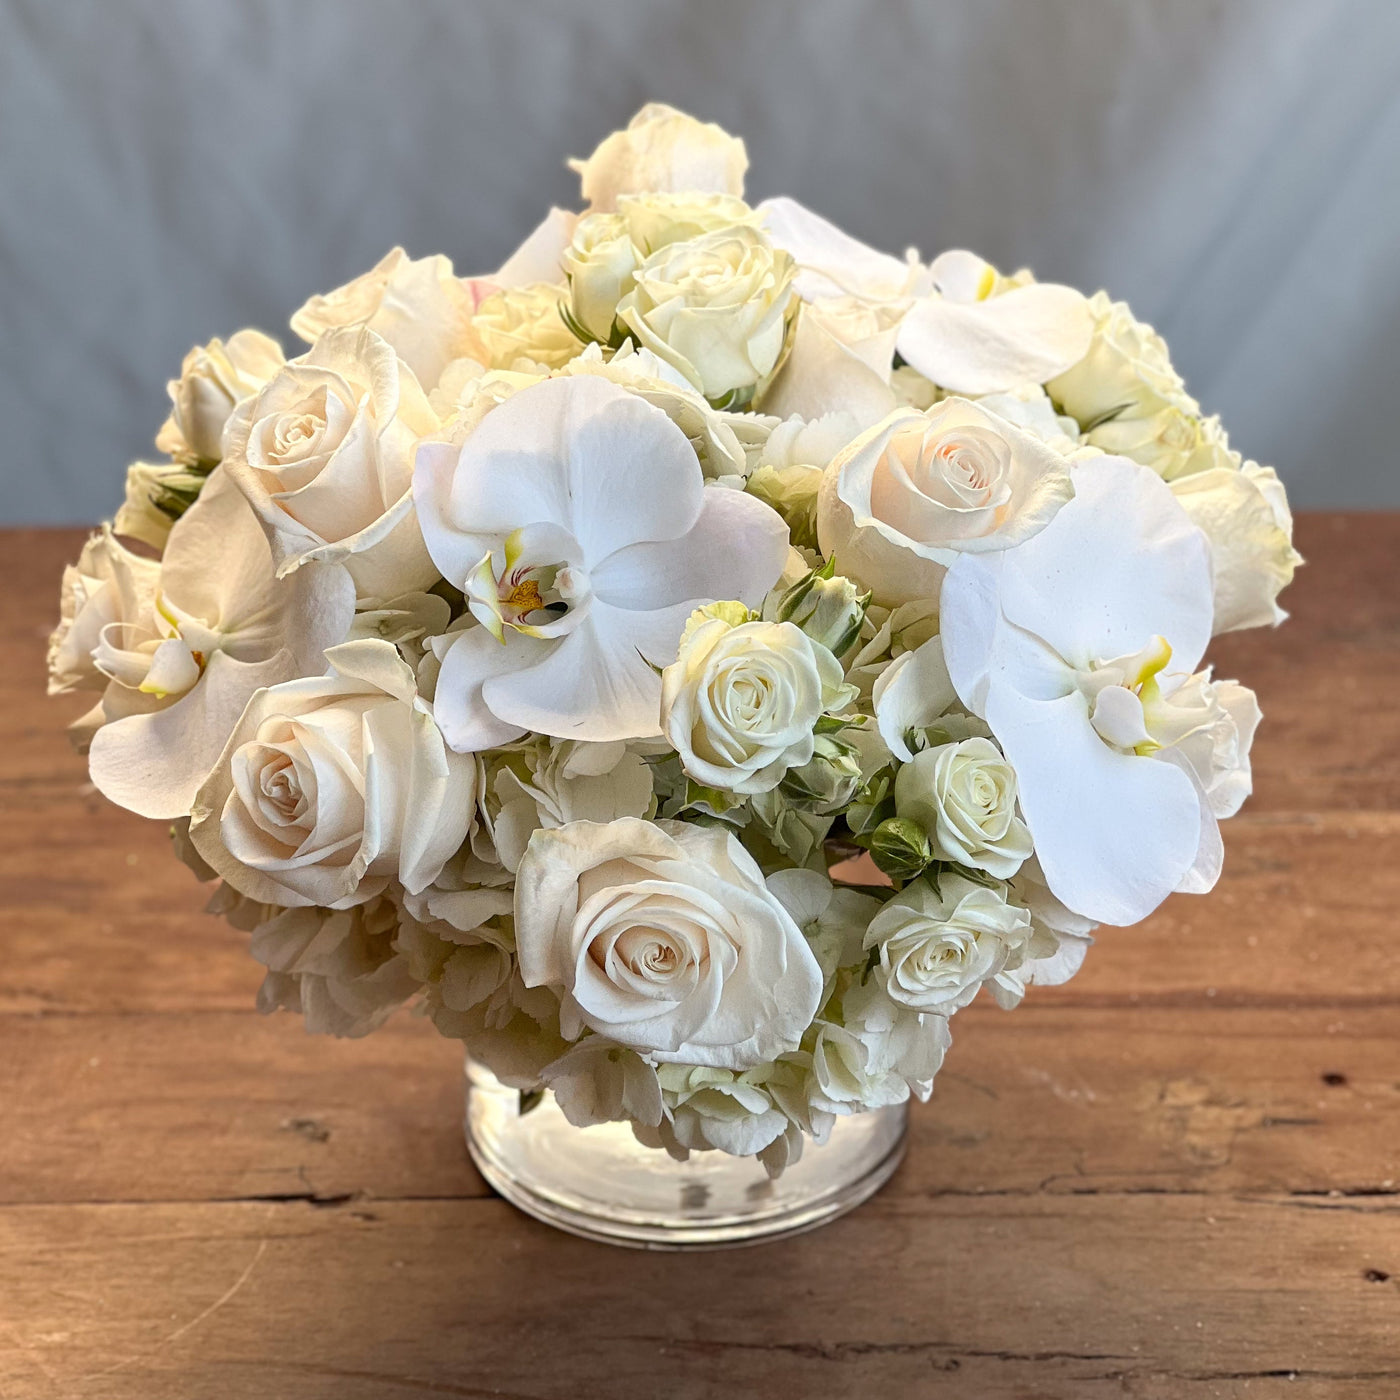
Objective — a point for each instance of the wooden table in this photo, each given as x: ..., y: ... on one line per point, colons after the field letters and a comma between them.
x: 1177, y: 1177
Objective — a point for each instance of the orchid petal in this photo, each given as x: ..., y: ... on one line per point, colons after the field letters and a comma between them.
x: 1024, y: 336
x: 153, y: 764
x: 1115, y: 833
x: 614, y: 692
x: 540, y: 258
x: 1093, y: 591
x: 703, y: 567
x: 468, y: 724
x: 832, y: 263
x: 910, y: 694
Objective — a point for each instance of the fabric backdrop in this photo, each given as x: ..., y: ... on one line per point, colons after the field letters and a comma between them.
x: 174, y: 169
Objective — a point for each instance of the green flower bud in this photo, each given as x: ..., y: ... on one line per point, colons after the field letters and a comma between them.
x: 827, y: 607
x: 828, y: 780
x: 901, y: 848
x: 792, y: 492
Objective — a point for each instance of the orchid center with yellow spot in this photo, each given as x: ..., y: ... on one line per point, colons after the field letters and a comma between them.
x: 1123, y: 693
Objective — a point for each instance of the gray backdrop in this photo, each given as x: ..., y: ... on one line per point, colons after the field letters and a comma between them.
x: 175, y: 169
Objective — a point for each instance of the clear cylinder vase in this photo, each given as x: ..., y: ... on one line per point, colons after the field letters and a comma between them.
x: 601, y: 1183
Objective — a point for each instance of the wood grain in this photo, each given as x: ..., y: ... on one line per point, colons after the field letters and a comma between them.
x: 1169, y: 1296
x: 1176, y: 1177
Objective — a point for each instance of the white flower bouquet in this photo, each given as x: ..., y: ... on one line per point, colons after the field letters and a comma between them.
x: 689, y: 663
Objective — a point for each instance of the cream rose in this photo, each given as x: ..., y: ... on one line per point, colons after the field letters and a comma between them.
x: 1130, y: 401
x: 663, y: 937
x: 899, y: 504
x: 416, y: 304
x: 1126, y: 372
x: 964, y: 796
x: 324, y: 455
x: 937, y: 947
x: 739, y: 703
x: 213, y: 379
x: 715, y: 307
x: 655, y: 221
x: 662, y: 149
x: 1246, y: 518
x: 520, y: 328
x: 329, y: 787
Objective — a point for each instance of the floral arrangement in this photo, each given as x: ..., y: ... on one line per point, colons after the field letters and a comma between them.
x: 689, y: 663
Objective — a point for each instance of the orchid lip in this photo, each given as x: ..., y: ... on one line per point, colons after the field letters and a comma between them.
x: 533, y: 583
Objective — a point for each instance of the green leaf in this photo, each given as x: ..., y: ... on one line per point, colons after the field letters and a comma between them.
x: 530, y: 1099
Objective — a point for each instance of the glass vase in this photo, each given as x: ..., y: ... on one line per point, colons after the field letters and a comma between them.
x: 601, y: 1183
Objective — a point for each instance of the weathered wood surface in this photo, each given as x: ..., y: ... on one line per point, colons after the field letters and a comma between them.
x: 1179, y: 1176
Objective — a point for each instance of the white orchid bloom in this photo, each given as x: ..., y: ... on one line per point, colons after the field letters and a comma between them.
x: 221, y: 627
x: 980, y: 333
x: 1070, y: 646
x: 576, y: 520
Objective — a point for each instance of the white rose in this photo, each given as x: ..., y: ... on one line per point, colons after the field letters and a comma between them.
x: 662, y: 936
x: 657, y: 220
x: 324, y: 455
x: 599, y: 264
x: 1126, y: 372
x: 739, y: 703
x: 715, y: 307
x: 904, y: 500
x: 1246, y: 518
x: 213, y: 379
x: 1174, y: 441
x: 1131, y: 402
x: 415, y: 304
x: 662, y: 149
x: 331, y: 786
x: 964, y: 796
x: 521, y: 328
x: 936, y: 949
x: 558, y: 781
x: 338, y: 968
